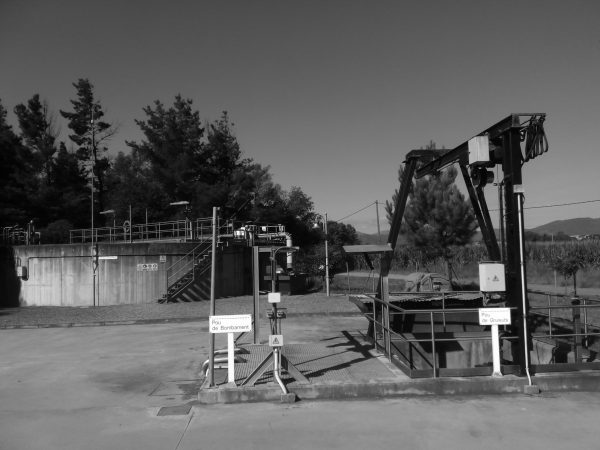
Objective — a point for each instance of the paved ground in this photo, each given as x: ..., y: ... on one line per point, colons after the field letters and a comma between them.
x: 66, y: 386
x: 104, y: 388
x: 45, y: 316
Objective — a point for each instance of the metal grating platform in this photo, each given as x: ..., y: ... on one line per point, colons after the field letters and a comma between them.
x: 320, y: 364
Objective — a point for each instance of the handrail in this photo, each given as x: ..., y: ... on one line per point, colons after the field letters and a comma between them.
x: 186, y: 230
x: 186, y: 263
x: 387, y: 332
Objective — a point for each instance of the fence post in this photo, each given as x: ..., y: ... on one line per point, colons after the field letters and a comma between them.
x: 576, y: 329
x: 433, y: 352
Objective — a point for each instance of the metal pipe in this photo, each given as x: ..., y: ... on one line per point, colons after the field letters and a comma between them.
x: 211, y: 354
x: 276, y: 369
x: 523, y: 288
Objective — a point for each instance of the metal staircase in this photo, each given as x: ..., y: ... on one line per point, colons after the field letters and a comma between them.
x: 188, y: 278
x: 185, y: 276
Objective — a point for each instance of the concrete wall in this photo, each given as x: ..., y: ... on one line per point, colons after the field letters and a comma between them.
x: 61, y: 275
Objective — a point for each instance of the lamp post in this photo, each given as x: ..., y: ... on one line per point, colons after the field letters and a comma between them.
x: 324, y: 220
x: 274, y: 251
x: 110, y: 211
x: 187, y: 210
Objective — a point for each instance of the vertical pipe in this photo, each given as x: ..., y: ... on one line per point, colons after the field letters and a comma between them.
x: 256, y: 292
x: 326, y: 257
x: 273, y: 270
x: 211, y: 354
x: 378, y: 227
x: 433, y: 352
x: 519, y: 196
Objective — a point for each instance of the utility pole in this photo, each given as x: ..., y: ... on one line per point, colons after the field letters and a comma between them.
x: 94, y: 245
x: 378, y: 227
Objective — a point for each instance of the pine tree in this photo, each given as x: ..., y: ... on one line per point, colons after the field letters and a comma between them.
x: 90, y: 133
x: 437, y: 218
x: 18, y: 183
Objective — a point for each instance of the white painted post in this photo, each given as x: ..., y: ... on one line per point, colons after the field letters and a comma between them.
x: 496, y: 352
x: 231, y: 358
x: 493, y: 317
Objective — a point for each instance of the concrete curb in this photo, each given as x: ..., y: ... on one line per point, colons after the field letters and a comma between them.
x: 473, y: 386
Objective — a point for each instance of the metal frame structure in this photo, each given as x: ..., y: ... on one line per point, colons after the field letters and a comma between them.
x: 505, y: 138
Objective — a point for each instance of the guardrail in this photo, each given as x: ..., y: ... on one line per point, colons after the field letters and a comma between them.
x: 571, y: 324
x: 402, y: 347
x: 198, y: 230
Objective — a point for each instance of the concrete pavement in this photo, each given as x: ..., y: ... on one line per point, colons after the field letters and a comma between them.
x: 105, y: 388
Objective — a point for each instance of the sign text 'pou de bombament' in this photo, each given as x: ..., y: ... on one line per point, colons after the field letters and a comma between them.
x: 236, y: 323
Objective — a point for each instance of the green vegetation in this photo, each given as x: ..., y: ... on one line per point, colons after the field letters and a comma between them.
x: 49, y: 183
x: 577, y: 263
x: 437, y: 220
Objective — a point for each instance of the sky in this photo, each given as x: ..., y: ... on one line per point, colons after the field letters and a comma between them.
x: 331, y: 94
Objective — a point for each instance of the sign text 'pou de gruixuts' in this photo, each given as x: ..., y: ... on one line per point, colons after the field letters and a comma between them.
x: 235, y: 323
x: 494, y: 316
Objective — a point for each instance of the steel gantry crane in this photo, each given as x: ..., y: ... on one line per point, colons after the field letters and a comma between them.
x: 508, y: 144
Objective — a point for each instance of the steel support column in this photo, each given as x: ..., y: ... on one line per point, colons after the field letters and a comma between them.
x: 516, y: 280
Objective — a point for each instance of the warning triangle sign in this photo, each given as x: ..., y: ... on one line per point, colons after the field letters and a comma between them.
x: 276, y: 340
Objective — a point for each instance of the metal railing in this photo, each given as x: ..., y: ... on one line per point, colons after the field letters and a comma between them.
x: 566, y: 322
x: 573, y: 322
x: 197, y: 230
x: 389, y: 340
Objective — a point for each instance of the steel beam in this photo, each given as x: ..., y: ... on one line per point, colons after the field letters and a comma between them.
x: 483, y: 215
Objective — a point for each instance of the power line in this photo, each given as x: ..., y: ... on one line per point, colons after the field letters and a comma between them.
x: 527, y: 207
x: 562, y: 204
x: 355, y: 212
x: 558, y: 204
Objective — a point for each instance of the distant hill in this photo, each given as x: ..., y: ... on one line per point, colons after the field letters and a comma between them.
x: 366, y: 238
x: 570, y: 227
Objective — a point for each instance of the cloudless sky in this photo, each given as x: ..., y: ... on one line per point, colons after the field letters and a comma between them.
x: 331, y: 94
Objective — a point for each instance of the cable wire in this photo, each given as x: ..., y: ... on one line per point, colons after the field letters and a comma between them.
x: 558, y: 204
x: 355, y: 212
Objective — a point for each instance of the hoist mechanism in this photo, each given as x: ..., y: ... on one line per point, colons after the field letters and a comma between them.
x: 499, y: 145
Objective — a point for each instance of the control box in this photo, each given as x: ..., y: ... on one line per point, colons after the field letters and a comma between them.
x: 479, y: 150
x: 491, y: 277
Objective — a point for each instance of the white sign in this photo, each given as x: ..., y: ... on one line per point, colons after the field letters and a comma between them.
x: 494, y: 316
x: 162, y: 258
x: 236, y: 323
x: 274, y: 297
x: 109, y: 257
x: 152, y: 267
x: 276, y: 340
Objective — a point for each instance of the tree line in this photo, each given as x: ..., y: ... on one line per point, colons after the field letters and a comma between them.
x: 179, y: 158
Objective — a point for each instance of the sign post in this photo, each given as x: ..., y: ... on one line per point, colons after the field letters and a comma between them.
x: 495, y: 317
x: 237, y: 323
